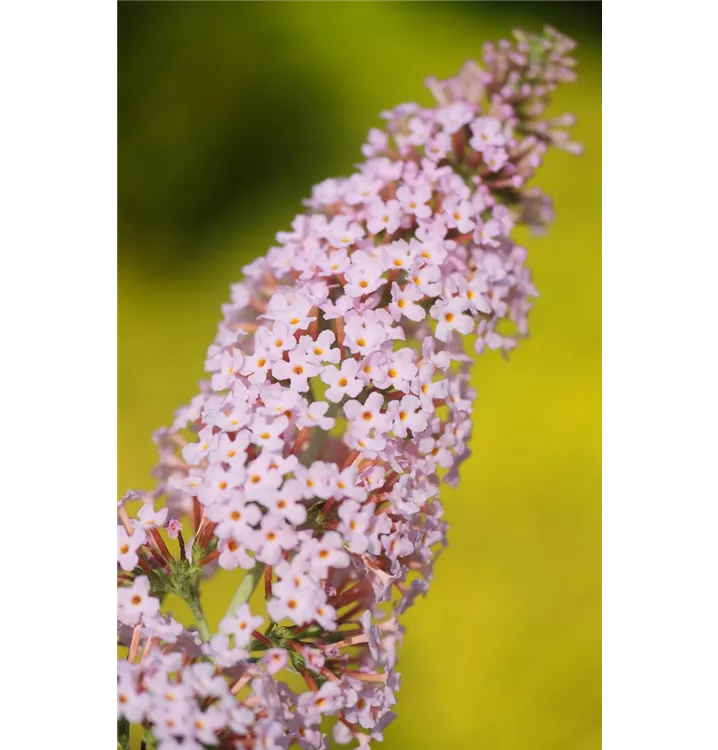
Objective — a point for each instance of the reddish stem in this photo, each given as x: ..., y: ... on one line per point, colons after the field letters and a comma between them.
x: 301, y: 439
x: 263, y: 638
x: 208, y: 558
x: 161, y: 544
x: 347, y: 596
x: 158, y: 558
x: 309, y: 680
x: 268, y: 582
x: 339, y: 323
x: 196, y: 514
x: 350, y: 459
x: 330, y: 675
x: 350, y: 613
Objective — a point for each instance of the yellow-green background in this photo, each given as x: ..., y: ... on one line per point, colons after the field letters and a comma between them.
x: 228, y: 113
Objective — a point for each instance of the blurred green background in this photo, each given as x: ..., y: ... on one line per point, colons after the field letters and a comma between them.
x: 228, y: 114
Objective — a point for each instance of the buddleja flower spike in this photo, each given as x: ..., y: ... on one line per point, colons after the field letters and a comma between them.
x: 337, y: 404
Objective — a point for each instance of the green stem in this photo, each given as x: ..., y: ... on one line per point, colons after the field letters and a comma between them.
x: 123, y: 735
x: 245, y: 589
x: 202, y: 626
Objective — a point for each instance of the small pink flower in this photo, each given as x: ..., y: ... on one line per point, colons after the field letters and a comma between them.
x: 131, y: 704
x: 326, y: 701
x: 361, y: 189
x: 367, y: 416
x: 438, y: 146
x: 193, y: 453
x: 232, y: 452
x: 228, y: 365
x: 207, y: 724
x: 347, y: 485
x: 384, y: 216
x: 426, y: 279
x: 487, y: 232
x: 376, y: 143
x: 414, y: 201
x: 341, y: 233
x: 273, y: 536
x: 450, y: 316
x: 459, y: 214
x: 275, y: 660
x: 234, y: 518
x: 487, y: 132
x: 173, y: 528
x: 296, y: 605
x: 268, y: 433
x: 322, y: 554
x: 364, y: 276
x: 162, y: 628
x: 286, y: 503
x: 364, y: 334
x: 240, y: 625
x: 256, y: 366
x: 334, y: 262
x: 321, y: 349
x: 127, y: 546
x: 219, y: 484
x: 297, y: 370
x: 222, y: 653
x: 202, y: 678
x: 397, y: 256
x: 355, y: 523
x: 342, y: 381
x: 455, y: 116
x: 149, y: 518
x: 263, y: 477
x: 314, y: 658
x: 233, y: 554
x: 276, y: 341
x: 315, y: 415
x: 408, y: 414
x: 135, y: 603
x: 403, y: 302
x: 495, y: 158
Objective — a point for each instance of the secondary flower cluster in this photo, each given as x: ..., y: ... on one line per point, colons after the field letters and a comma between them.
x: 338, y: 402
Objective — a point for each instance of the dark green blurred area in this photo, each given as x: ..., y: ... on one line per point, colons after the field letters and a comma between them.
x: 228, y: 114
x: 227, y: 110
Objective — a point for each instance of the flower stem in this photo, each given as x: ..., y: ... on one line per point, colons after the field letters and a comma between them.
x: 245, y: 589
x: 123, y: 734
x: 202, y: 626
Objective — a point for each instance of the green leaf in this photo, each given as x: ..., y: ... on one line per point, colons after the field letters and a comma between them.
x: 123, y: 734
x: 149, y: 739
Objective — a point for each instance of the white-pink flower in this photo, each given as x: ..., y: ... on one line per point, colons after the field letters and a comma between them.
x: 342, y: 381
x: 486, y: 132
x: 384, y: 216
x: 135, y: 603
x: 403, y: 302
x: 127, y: 546
x: 367, y: 416
x: 414, y: 200
x: 450, y: 317
x: 240, y: 625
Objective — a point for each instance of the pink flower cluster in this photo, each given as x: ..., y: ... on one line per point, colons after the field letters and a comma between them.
x: 338, y: 402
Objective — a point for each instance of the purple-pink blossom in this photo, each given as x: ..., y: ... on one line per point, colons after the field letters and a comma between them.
x: 337, y: 404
